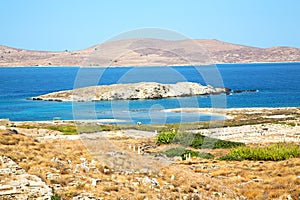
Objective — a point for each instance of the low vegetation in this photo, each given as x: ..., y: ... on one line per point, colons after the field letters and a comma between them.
x: 65, y: 129
x: 194, y: 140
x: 72, y: 128
x: 274, y: 152
x: 184, y: 153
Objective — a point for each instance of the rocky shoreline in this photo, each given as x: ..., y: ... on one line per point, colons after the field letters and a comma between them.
x: 132, y: 91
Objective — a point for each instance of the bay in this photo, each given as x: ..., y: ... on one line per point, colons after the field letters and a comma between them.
x: 278, y: 85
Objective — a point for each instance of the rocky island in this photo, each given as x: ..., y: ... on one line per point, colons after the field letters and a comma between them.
x: 132, y: 91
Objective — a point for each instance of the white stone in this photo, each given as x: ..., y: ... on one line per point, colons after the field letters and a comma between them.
x: 95, y: 181
x: 139, y: 150
x: 172, y: 177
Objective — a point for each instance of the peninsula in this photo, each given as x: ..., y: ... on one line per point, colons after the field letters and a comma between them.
x: 132, y: 91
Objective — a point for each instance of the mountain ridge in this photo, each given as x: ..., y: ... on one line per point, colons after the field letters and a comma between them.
x: 150, y: 52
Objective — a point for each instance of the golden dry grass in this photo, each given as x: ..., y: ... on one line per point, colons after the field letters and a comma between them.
x: 256, y: 179
x: 199, y: 179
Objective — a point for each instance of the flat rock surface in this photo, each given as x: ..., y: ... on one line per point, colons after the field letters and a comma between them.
x: 15, y: 183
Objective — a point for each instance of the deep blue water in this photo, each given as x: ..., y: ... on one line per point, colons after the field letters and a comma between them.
x: 278, y: 85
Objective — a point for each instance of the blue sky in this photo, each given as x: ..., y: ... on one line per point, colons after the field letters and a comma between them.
x: 58, y: 25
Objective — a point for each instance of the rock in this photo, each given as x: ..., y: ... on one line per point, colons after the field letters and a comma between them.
x: 257, y: 179
x: 133, y: 91
x: 86, y: 196
x: 171, y: 187
x: 289, y: 197
x: 13, y: 131
x: 172, y: 177
x: 5, y: 187
x: 21, y: 185
x: 177, y: 158
x: 95, y: 182
x: 242, y: 91
x: 207, y: 187
x: 153, y: 182
x: 135, y: 184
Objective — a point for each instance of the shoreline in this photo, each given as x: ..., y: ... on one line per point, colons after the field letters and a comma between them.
x: 210, y: 111
x: 141, y: 66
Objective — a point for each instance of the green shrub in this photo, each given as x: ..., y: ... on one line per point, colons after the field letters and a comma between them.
x: 185, y: 139
x: 194, y: 140
x: 212, y: 143
x: 174, y: 152
x: 274, y: 152
x: 55, y: 197
x: 182, y: 152
x: 165, y: 137
x: 205, y: 155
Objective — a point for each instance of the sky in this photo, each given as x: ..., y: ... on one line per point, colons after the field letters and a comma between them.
x: 58, y: 25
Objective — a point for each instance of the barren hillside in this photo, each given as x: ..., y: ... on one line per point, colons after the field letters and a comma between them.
x: 150, y: 52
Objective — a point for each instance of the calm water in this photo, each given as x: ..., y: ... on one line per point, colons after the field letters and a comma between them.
x: 278, y: 85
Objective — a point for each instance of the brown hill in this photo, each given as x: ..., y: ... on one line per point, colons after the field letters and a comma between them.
x: 150, y: 52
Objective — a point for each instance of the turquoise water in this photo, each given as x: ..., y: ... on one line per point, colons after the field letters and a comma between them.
x: 278, y: 85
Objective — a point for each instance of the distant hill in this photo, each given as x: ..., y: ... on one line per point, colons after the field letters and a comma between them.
x: 150, y: 52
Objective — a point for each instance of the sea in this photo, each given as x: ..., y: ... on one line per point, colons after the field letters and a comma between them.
x: 277, y: 85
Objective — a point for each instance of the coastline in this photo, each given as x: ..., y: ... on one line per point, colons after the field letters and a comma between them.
x: 224, y: 112
x: 141, y: 66
x: 218, y: 110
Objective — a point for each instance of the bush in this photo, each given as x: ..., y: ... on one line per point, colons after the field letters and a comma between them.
x: 56, y: 197
x: 165, y: 137
x: 275, y: 152
x: 194, y: 140
x: 182, y: 152
x: 218, y: 144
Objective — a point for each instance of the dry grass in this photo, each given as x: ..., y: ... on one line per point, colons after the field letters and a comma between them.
x: 35, y: 157
x: 254, y: 179
x: 199, y: 179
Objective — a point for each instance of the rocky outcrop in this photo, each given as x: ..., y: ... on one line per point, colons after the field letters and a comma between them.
x: 15, y: 183
x: 244, y: 91
x: 133, y: 91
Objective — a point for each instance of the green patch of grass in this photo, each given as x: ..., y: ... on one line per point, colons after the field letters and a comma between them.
x: 182, y: 152
x: 95, y: 128
x: 194, y: 140
x: 72, y: 129
x: 27, y: 126
x: 65, y: 129
x: 274, y: 152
